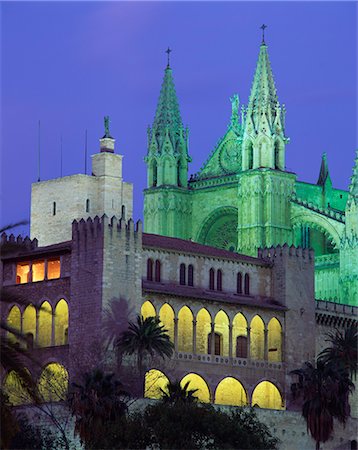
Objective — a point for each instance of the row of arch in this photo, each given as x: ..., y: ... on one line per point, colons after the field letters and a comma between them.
x: 52, y: 385
x: 229, y: 391
x: 153, y: 270
x: 202, y: 335
x: 42, y: 326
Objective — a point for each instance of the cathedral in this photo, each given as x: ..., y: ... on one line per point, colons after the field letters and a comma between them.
x: 247, y: 267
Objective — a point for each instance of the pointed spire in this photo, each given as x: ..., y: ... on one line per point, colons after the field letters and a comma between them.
x: 323, y: 173
x: 353, y: 187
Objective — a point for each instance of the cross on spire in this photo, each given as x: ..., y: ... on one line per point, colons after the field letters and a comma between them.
x: 263, y: 27
x: 168, y: 51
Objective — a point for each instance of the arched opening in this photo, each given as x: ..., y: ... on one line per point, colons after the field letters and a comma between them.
x: 250, y: 155
x: 154, y: 381
x: 219, y: 280
x: 15, y: 388
x: 217, y: 344
x: 257, y: 338
x: 221, y: 326
x: 45, y: 325
x: 247, y: 284
x: 309, y: 236
x: 157, y: 271
x: 266, y: 395
x: 61, y: 323
x: 147, y: 310
x: 239, y: 283
x: 155, y: 173
x: 185, y: 330
x: 220, y: 229
x: 197, y: 382
x: 274, y: 340
x: 53, y: 383
x: 191, y: 275
x: 211, y: 279
x: 149, y: 269
x: 182, y: 274
x: 230, y: 392
x: 14, y: 321
x: 203, y: 330
x: 166, y: 316
x: 277, y: 156
x: 239, y: 336
x: 29, y: 325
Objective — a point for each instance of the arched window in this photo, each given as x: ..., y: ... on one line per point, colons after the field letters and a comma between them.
x: 247, y: 284
x: 29, y: 325
x: 61, y: 323
x: 157, y: 270
x: 190, y: 275
x: 211, y: 279
x: 217, y: 344
x: 182, y: 274
x: 185, y: 330
x: 14, y: 321
x: 154, y: 382
x: 15, y: 390
x: 54, y: 208
x: 239, y: 283
x: 219, y: 280
x: 250, y: 156
x: 87, y: 205
x: 241, y: 347
x: 147, y: 310
x: 155, y: 173
x: 150, y: 269
x: 44, y: 338
x: 198, y: 383
x: 123, y: 212
x: 230, y: 392
x: 277, y: 155
x: 53, y: 383
x: 266, y: 395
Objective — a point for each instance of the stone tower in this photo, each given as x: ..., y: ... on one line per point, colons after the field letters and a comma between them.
x: 349, y: 244
x: 166, y: 200
x: 265, y: 189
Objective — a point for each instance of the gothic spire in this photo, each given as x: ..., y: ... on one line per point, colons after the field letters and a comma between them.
x: 353, y: 187
x: 323, y: 173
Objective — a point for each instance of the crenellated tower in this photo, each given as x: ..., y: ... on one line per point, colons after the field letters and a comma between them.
x: 349, y: 244
x: 265, y: 188
x: 166, y: 201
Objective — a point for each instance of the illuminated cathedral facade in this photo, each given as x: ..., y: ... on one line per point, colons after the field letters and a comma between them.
x: 246, y: 267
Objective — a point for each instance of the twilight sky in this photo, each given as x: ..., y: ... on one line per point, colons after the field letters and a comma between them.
x: 70, y: 63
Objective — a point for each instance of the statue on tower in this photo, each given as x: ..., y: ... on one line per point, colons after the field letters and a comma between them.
x: 107, y: 134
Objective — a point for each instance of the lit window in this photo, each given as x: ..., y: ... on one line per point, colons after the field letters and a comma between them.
x: 53, y: 269
x: 38, y: 270
x: 45, y: 325
x: 61, y: 323
x: 22, y: 273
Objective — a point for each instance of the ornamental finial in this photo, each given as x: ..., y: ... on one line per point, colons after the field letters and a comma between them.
x: 263, y: 27
x: 106, y: 126
x: 168, y: 51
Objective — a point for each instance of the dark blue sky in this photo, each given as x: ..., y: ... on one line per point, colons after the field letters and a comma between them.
x: 69, y: 64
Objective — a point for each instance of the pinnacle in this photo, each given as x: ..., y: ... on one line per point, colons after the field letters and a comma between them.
x: 324, y: 172
x: 353, y: 187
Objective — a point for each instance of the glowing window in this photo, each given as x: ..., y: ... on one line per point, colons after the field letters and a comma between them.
x: 190, y: 275
x: 197, y: 382
x: 22, y: 273
x: 266, y: 395
x: 239, y: 331
x: 203, y: 329
x: 230, y: 392
x: 53, y: 269
x: 221, y: 324
x: 14, y: 321
x: 185, y: 330
x: 45, y: 325
x: 53, y: 383
x: 15, y: 388
x: 38, y: 270
x: 147, y: 310
x: 150, y: 269
x: 155, y: 380
x: 274, y: 339
x: 257, y: 338
x: 29, y: 325
x: 61, y: 323
x: 219, y: 280
x: 166, y: 316
x: 211, y: 279
x: 182, y: 274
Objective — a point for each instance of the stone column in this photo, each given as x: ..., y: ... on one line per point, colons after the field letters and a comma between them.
x: 248, y: 342
x: 230, y: 341
x: 265, y: 344
x: 194, y: 336
x: 52, y: 327
x: 37, y: 327
x: 176, y: 333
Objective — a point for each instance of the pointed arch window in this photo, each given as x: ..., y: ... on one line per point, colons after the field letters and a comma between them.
x: 157, y: 270
x: 241, y: 347
x: 150, y: 269
x: 247, y: 284
x: 155, y: 173
x: 211, y: 279
x: 217, y: 344
x: 239, y: 283
x: 250, y: 156
x: 219, y: 280
x: 191, y: 275
x: 182, y: 274
x: 178, y: 174
x: 277, y: 155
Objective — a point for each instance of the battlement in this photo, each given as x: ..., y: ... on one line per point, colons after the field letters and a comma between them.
x: 97, y: 225
x: 26, y: 242
x: 273, y: 252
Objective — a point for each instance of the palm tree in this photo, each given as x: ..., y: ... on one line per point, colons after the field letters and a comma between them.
x: 96, y: 403
x: 145, y: 337
x: 175, y: 393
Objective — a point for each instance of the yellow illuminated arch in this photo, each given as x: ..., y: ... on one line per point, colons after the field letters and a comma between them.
x: 14, y: 321
x: 257, y: 338
x: 197, y: 382
x: 45, y: 325
x: 230, y: 392
x: 29, y: 322
x: 203, y: 329
x: 53, y: 383
x: 61, y: 323
x: 185, y: 330
x: 221, y: 324
x: 14, y: 387
x: 154, y: 381
x: 274, y: 340
x: 166, y: 316
x: 266, y: 395
x: 239, y: 328
x: 148, y: 310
